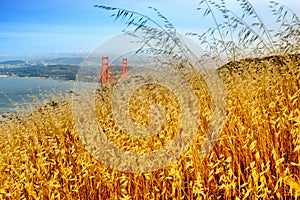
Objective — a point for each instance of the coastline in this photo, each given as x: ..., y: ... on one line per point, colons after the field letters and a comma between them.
x: 35, y: 77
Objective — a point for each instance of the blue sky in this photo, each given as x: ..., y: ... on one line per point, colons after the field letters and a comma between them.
x: 35, y: 28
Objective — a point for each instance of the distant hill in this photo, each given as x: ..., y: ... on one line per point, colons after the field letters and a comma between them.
x: 62, y: 68
x: 65, y: 61
x: 13, y: 62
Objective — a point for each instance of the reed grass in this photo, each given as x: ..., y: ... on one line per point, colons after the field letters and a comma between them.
x: 257, y: 155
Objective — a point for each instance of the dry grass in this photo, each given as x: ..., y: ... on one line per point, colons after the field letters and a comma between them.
x: 257, y: 155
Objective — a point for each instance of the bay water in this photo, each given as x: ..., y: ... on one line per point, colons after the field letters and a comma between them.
x: 16, y: 93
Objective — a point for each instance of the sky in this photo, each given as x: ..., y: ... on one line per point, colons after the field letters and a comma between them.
x: 32, y: 29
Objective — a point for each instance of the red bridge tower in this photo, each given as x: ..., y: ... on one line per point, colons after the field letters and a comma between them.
x: 105, y: 73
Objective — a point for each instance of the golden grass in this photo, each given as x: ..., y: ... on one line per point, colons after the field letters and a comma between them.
x: 257, y: 155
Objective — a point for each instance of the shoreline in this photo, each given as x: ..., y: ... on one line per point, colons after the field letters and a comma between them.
x: 35, y: 77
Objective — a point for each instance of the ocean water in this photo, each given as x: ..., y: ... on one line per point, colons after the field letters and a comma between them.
x: 21, y: 93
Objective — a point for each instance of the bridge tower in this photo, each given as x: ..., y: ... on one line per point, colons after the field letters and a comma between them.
x: 124, y: 67
x: 105, y: 72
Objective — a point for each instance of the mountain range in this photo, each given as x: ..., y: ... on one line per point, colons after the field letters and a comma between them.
x: 55, y: 61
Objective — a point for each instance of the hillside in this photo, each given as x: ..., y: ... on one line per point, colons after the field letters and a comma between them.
x: 59, y: 68
x: 256, y: 156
